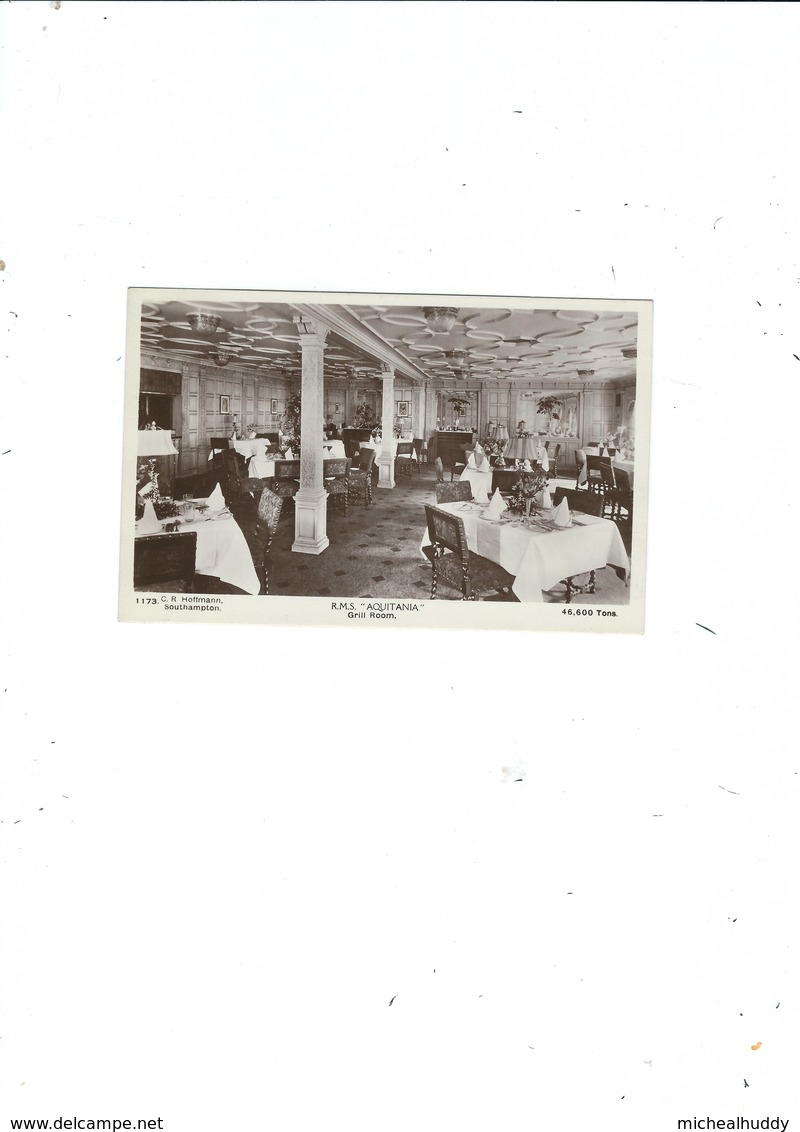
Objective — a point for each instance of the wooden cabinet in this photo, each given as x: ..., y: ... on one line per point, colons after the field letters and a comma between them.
x: 450, y: 446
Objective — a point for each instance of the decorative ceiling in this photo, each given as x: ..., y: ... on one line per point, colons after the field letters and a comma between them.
x: 483, y: 347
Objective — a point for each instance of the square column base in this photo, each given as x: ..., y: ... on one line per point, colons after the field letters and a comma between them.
x: 310, y: 522
x: 385, y: 470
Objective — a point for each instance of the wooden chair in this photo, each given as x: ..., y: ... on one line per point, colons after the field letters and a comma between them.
x: 580, y: 464
x: 239, y: 490
x: 419, y: 446
x: 287, y: 473
x: 454, y: 564
x: 359, y: 481
x: 581, y: 501
x: 269, y: 513
x: 459, y: 464
x: 335, y: 473
x: 404, y: 459
x: 552, y: 459
x: 588, y: 503
x: 165, y: 562
x: 594, y: 476
x: 456, y: 492
x: 623, y: 496
x: 219, y: 443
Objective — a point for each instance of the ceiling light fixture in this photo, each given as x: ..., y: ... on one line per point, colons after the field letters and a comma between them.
x: 220, y: 359
x: 440, y: 319
x: 203, y: 323
x: 629, y: 353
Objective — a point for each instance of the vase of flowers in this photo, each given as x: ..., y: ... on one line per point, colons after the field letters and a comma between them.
x: 526, y: 489
x: 552, y: 406
x: 251, y: 431
x: 365, y: 418
x: 459, y: 408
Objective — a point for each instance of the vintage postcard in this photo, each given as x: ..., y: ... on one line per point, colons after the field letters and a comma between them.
x: 404, y: 460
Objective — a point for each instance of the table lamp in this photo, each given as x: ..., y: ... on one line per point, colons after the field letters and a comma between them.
x: 152, y: 442
x: 500, y: 436
x: 522, y: 448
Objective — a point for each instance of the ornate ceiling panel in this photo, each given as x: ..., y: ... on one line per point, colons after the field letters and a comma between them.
x: 483, y: 346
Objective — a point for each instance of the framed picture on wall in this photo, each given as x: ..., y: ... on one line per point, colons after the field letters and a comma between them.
x: 273, y: 406
x: 402, y: 408
x: 224, y: 404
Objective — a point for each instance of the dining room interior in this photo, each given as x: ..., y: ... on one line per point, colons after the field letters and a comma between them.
x: 356, y: 446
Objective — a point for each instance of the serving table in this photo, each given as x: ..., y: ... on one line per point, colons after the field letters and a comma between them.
x: 539, y: 559
x: 222, y: 550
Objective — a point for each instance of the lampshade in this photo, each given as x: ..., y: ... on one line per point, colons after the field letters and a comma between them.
x: 521, y: 448
x: 499, y: 432
x: 155, y: 442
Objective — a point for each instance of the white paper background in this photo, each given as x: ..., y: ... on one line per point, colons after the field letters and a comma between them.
x: 227, y: 849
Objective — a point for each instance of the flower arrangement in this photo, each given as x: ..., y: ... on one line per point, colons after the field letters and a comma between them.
x: 527, y: 487
x: 290, y: 421
x: 252, y: 428
x: 460, y: 406
x: 493, y: 447
x: 365, y: 418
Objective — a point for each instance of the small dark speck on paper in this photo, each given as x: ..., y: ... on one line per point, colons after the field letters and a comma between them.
x: 697, y: 623
x: 391, y: 1000
x: 745, y: 1083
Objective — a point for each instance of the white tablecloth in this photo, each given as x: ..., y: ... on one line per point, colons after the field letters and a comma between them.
x: 480, y: 479
x: 222, y: 552
x: 261, y: 467
x: 382, y: 445
x: 248, y: 448
x: 539, y: 559
x: 336, y: 450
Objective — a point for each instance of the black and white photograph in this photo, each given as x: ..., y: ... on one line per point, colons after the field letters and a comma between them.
x: 398, y: 499
x: 431, y: 451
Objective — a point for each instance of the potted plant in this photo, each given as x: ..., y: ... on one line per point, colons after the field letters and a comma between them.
x: 365, y: 418
x: 290, y: 422
x: 552, y: 406
x: 460, y: 406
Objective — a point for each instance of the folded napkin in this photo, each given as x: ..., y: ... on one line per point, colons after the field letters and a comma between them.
x: 148, y: 524
x: 479, y: 455
x: 496, y: 507
x: 216, y: 500
x: 544, y: 462
x: 289, y: 455
x: 526, y: 467
x: 562, y: 517
x: 544, y: 498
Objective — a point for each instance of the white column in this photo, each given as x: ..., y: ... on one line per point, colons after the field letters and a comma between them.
x: 417, y: 427
x: 310, y: 503
x: 386, y: 458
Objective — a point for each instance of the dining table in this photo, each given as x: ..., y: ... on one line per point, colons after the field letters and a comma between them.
x: 222, y: 550
x: 537, y: 555
x: 263, y: 467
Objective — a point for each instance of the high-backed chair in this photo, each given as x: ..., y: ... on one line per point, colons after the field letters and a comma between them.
x: 404, y: 459
x: 359, y: 481
x: 269, y: 513
x: 552, y: 459
x: 594, y: 476
x: 588, y: 503
x: 335, y: 474
x: 165, y: 562
x: 454, y: 492
x: 623, y: 495
x: 419, y: 445
x: 584, y: 502
x: 580, y: 464
x: 454, y: 564
x: 240, y: 491
x: 460, y: 463
x: 287, y: 475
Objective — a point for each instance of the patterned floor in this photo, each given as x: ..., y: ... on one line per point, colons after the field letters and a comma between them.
x: 375, y: 551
